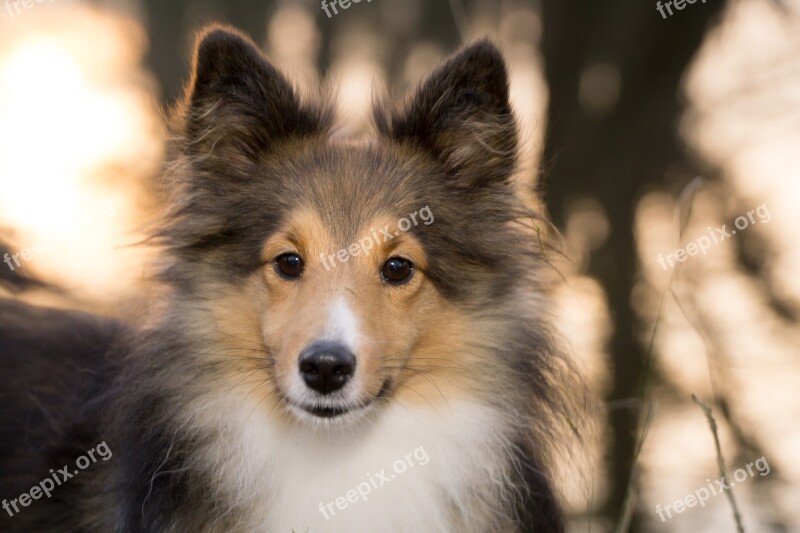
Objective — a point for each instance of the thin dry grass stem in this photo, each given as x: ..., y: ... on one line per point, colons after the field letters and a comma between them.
x: 712, y: 423
x: 683, y: 213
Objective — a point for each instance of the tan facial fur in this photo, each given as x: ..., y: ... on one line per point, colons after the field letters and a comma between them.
x: 346, y: 301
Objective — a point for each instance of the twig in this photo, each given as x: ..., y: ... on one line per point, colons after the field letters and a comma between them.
x: 629, y: 504
x: 683, y: 212
x: 721, y: 462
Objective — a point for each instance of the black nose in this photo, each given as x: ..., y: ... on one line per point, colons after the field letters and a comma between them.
x: 326, y: 366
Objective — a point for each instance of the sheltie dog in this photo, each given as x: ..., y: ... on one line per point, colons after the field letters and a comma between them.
x: 354, y: 336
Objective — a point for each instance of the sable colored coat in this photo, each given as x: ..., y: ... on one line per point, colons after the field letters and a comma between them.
x: 214, y: 422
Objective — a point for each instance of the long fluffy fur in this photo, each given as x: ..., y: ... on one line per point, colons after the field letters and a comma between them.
x: 192, y: 452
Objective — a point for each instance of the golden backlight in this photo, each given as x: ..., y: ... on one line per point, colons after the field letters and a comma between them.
x: 81, y: 138
x: 77, y: 135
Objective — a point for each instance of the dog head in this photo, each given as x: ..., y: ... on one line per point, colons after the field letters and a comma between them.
x: 332, y: 277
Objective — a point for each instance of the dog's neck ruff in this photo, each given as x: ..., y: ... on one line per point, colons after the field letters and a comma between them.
x: 281, y: 478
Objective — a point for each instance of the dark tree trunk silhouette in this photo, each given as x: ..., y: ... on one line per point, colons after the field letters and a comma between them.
x: 172, y: 23
x: 613, y: 157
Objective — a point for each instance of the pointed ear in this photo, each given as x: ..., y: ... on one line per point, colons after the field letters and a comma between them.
x: 238, y: 102
x: 462, y: 116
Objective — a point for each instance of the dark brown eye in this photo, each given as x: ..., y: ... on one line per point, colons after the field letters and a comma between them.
x: 397, y: 270
x: 289, y: 266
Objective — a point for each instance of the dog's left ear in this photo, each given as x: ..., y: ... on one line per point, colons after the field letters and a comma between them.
x: 238, y: 102
x: 462, y: 116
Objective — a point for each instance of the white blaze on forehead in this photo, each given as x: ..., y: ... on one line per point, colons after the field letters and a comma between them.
x: 342, y: 324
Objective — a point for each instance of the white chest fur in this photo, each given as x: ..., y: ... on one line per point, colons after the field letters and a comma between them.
x: 407, y: 470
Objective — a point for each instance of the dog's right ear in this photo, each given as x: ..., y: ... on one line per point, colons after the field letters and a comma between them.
x: 238, y: 104
x: 462, y: 116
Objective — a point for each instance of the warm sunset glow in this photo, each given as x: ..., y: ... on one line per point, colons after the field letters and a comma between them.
x: 82, y: 132
x: 65, y: 122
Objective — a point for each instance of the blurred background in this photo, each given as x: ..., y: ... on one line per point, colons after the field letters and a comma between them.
x: 643, y: 133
